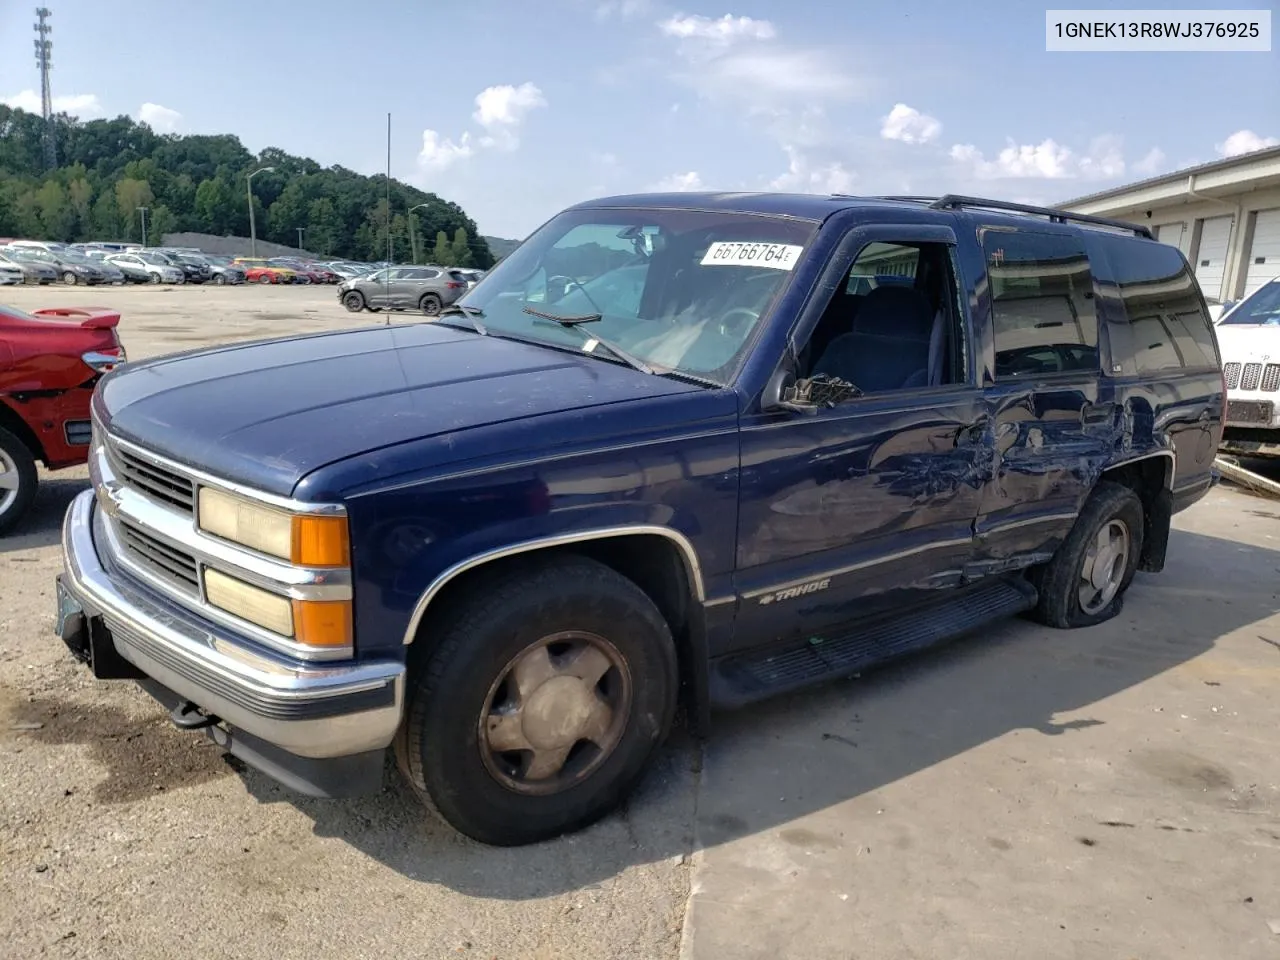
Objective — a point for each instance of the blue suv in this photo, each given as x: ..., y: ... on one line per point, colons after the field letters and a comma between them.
x: 683, y: 449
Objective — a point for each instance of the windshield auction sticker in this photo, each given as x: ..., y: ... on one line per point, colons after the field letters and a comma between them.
x: 734, y: 253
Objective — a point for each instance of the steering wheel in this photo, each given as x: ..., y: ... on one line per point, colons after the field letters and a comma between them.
x: 738, y: 328
x: 567, y: 284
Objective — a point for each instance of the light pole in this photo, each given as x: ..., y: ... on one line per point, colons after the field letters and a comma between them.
x: 413, y: 239
x: 143, y: 212
x: 248, y: 188
x: 300, y: 229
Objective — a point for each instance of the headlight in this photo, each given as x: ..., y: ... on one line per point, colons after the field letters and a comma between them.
x: 308, y: 540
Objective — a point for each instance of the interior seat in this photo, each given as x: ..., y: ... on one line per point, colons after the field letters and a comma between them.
x: 888, y: 347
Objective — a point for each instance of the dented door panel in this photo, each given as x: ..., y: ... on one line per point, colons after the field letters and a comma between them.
x: 855, y: 509
x: 1051, y: 441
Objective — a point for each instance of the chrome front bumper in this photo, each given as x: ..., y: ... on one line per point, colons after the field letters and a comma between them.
x: 315, y: 711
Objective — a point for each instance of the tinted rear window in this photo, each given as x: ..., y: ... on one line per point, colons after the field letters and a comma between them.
x: 1167, y: 327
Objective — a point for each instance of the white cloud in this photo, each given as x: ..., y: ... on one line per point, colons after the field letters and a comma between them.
x: 805, y: 176
x: 82, y: 105
x: 1151, y: 164
x: 500, y: 110
x: 679, y: 182
x: 1047, y: 160
x: 440, y: 153
x: 1245, y: 141
x: 909, y: 125
x: 726, y: 30
x: 506, y: 105
x: 158, y: 118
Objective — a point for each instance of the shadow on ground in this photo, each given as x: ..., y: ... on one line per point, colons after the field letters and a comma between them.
x: 846, y: 739
x: 42, y: 526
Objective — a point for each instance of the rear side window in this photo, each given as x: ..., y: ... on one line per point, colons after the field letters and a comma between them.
x: 1165, y: 326
x: 1042, y: 306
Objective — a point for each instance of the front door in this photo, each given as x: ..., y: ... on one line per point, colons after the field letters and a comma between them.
x: 868, y: 504
x: 1053, y: 423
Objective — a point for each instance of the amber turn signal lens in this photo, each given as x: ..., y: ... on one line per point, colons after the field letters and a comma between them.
x: 320, y: 541
x: 322, y: 623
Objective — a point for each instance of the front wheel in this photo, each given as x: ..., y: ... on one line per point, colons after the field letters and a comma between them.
x: 219, y: 279
x: 354, y: 301
x: 539, y: 706
x: 18, y: 480
x: 1085, y: 581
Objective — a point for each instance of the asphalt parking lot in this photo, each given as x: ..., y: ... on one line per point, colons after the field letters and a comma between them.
x: 1113, y: 792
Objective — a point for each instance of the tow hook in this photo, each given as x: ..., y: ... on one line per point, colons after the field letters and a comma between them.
x: 188, y: 716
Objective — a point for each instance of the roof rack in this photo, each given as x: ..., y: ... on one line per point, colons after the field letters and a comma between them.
x: 953, y: 201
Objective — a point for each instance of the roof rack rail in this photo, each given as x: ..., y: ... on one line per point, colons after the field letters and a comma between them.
x: 953, y: 201
x: 905, y: 197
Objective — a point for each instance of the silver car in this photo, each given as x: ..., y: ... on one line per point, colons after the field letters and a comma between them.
x: 158, y: 268
x: 427, y: 289
x: 32, y: 270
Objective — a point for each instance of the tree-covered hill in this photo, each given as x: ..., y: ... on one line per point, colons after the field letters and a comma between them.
x: 109, y: 168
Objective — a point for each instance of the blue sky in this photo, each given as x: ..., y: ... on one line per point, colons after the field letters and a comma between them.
x: 517, y: 109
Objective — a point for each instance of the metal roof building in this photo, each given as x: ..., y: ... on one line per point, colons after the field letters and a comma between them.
x: 1224, y: 216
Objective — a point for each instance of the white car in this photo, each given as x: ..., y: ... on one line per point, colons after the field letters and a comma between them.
x: 11, y: 273
x: 1249, y: 341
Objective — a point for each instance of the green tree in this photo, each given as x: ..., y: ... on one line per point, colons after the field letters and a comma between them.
x: 106, y: 218
x: 442, y: 252
x: 324, y: 226
x: 460, y: 250
x: 199, y: 181
x: 212, y: 206
x: 160, y: 221
x: 130, y: 195
x: 55, y: 216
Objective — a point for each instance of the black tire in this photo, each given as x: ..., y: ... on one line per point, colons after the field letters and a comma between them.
x: 353, y: 301
x: 1058, y: 581
x: 440, y: 748
x: 219, y: 279
x: 15, y: 456
x: 430, y: 304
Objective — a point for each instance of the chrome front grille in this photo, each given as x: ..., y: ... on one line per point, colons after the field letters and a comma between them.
x: 166, y: 560
x: 1250, y: 376
x: 1232, y: 372
x: 154, y: 480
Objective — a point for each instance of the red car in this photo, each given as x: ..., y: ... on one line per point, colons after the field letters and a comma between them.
x: 50, y: 363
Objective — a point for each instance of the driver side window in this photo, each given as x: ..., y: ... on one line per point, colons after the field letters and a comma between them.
x: 893, y: 324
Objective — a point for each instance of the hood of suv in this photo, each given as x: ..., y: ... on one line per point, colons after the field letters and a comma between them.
x: 1245, y: 342
x: 266, y: 414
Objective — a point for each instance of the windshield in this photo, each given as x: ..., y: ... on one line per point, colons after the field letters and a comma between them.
x: 32, y: 253
x: 681, y: 290
x: 1263, y: 306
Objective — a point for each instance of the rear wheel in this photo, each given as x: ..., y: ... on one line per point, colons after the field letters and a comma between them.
x: 541, y: 703
x: 1085, y: 581
x: 430, y: 304
x: 70, y: 277
x: 18, y: 480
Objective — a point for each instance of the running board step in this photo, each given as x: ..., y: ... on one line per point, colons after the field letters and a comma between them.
x: 744, y: 678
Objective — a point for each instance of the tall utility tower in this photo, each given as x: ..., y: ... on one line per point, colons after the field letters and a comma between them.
x: 44, y: 57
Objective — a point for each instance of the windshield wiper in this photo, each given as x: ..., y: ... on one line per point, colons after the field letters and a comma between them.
x: 471, y: 313
x: 572, y: 323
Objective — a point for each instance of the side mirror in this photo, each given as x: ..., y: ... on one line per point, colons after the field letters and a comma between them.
x: 781, y: 394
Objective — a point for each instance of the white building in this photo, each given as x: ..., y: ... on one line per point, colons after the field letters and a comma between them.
x: 1224, y: 216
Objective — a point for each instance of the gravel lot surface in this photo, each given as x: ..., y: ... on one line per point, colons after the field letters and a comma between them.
x: 1106, y: 793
